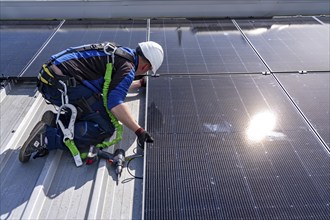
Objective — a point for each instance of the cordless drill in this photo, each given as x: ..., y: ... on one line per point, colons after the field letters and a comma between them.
x: 117, y: 159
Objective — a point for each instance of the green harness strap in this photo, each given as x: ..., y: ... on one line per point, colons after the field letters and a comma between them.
x: 72, y: 147
x: 118, y: 126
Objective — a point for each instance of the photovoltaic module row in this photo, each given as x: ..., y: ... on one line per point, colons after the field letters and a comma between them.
x: 192, y: 46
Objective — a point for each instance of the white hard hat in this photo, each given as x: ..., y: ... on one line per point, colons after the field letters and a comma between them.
x: 154, y: 53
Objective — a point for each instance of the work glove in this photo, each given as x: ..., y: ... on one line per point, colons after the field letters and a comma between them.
x: 143, y: 81
x: 143, y: 136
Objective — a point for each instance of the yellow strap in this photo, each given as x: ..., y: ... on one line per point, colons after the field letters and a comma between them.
x: 47, y: 70
x: 42, y: 79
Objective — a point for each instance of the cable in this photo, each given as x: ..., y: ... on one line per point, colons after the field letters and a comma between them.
x: 127, y: 166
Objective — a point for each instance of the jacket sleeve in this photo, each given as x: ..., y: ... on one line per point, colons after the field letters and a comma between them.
x: 122, y: 78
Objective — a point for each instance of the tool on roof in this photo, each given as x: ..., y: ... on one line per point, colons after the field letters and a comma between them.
x: 117, y: 159
x: 92, y: 155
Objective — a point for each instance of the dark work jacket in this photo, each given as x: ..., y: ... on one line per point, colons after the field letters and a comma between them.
x: 90, y: 65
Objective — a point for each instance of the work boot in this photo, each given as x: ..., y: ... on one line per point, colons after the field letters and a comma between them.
x: 49, y: 118
x: 34, y: 143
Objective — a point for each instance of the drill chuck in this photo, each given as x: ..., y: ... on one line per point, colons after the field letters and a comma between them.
x: 92, y: 155
x: 119, y: 160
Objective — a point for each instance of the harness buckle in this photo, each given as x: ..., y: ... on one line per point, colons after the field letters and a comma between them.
x: 110, y: 50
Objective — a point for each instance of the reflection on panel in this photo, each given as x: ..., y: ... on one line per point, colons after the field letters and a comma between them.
x: 290, y: 44
x: 203, y: 46
x: 231, y: 147
x: 311, y: 92
x: 20, y: 41
x: 127, y: 33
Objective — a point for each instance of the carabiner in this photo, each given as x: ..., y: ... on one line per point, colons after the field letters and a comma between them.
x: 105, y: 49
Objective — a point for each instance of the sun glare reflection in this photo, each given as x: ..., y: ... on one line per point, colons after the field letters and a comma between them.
x: 261, y: 125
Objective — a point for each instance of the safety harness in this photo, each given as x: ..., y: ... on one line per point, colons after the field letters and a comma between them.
x: 48, y: 77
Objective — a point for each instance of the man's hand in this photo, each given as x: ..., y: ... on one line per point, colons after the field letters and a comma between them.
x: 143, y: 136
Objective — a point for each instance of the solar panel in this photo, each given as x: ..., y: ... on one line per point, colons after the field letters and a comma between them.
x: 198, y: 46
x: 75, y: 33
x: 20, y: 41
x: 312, y: 94
x: 231, y: 147
x: 288, y: 44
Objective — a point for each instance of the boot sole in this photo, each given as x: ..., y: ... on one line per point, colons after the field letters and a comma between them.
x: 34, y: 136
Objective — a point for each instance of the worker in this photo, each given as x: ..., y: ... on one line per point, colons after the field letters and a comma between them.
x: 82, y: 69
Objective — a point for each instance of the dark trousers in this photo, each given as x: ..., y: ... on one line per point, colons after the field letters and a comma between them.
x: 91, y: 127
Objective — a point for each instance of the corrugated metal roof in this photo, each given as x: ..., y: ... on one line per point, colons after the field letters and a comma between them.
x: 53, y: 187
